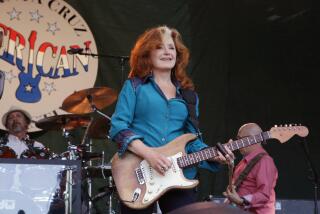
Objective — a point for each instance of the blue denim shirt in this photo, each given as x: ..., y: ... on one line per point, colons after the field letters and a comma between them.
x: 143, y: 112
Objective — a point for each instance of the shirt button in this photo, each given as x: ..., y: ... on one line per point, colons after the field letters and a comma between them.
x: 163, y: 139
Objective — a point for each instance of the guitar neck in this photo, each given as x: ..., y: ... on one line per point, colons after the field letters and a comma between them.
x: 211, y: 152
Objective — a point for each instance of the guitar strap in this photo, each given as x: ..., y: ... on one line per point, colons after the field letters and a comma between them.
x: 191, y: 99
x: 248, y: 168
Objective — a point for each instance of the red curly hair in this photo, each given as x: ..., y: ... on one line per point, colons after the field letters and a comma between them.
x: 140, y: 60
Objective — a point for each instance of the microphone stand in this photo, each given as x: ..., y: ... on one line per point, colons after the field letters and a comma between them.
x: 122, y: 60
x: 314, y: 174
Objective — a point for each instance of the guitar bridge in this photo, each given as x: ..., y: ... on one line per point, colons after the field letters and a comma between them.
x: 139, y: 175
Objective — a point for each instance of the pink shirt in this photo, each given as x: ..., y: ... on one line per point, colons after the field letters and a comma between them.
x: 258, y: 186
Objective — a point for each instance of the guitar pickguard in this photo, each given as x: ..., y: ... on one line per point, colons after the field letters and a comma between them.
x: 157, y: 184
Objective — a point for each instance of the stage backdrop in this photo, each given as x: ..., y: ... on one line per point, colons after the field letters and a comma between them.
x: 251, y: 61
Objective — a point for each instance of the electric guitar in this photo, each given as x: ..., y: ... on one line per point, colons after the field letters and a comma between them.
x: 139, y: 185
x: 28, y: 90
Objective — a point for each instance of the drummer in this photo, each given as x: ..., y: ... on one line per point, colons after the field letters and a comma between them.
x: 17, y: 122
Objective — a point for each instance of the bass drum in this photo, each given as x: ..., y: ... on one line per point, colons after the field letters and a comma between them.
x: 36, y: 153
x: 14, y: 202
x: 7, y: 152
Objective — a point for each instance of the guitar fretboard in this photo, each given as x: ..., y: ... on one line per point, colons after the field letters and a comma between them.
x: 211, y: 152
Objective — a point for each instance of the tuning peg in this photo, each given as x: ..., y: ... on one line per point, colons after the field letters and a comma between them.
x: 275, y: 126
x: 285, y: 125
x: 290, y: 125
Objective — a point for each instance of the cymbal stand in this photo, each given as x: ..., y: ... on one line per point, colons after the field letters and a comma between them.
x: 95, y: 109
x: 68, y: 192
x: 89, y: 181
x: 72, y: 156
x: 108, y: 192
x: 66, y: 134
x: 109, y: 199
x: 71, y: 148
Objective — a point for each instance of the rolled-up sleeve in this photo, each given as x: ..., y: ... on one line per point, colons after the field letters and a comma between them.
x: 122, y: 117
x: 198, y: 144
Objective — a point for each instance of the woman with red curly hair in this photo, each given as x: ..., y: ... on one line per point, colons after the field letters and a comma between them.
x: 151, y: 110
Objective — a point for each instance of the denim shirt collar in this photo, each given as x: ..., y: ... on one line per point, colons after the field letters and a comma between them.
x: 174, y: 80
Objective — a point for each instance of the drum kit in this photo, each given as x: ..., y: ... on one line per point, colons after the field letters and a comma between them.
x: 81, y: 106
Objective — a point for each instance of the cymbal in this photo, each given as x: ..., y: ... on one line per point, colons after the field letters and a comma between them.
x: 99, y: 128
x: 208, y: 208
x: 81, y: 101
x: 64, y: 121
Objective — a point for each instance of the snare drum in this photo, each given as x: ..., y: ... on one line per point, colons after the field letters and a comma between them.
x: 36, y: 153
x: 7, y: 152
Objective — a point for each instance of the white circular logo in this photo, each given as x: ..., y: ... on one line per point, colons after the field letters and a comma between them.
x: 37, y: 72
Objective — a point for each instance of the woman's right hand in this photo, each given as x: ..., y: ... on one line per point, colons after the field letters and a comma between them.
x: 158, y: 161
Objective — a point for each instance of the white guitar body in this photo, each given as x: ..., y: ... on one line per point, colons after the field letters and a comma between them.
x: 139, y: 185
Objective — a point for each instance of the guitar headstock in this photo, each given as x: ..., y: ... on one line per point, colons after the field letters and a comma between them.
x: 284, y: 133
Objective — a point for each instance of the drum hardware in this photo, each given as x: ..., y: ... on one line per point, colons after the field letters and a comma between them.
x: 67, y: 122
x: 37, y: 153
x: 108, y: 192
x: 76, y: 152
x: 98, y: 171
x: 68, y: 192
x: 90, y: 100
x: 88, y: 156
x: 99, y: 128
x: 61, y: 200
x: 79, y: 105
x: 101, y: 172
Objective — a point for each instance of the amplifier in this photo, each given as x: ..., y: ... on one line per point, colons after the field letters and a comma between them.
x: 40, y: 186
x: 285, y: 206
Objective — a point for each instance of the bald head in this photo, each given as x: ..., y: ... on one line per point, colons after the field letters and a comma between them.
x: 249, y: 129
x: 246, y: 130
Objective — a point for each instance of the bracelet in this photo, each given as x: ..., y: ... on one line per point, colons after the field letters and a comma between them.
x: 245, y: 202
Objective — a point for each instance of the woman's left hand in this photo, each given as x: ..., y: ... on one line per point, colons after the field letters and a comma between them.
x: 224, y: 159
